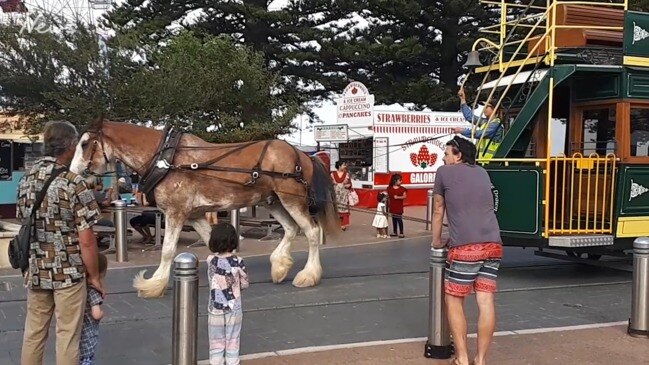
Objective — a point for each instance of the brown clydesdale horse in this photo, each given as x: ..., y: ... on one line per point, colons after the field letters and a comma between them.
x: 186, y: 194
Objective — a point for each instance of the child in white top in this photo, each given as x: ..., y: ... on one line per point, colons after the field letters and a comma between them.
x: 381, y: 218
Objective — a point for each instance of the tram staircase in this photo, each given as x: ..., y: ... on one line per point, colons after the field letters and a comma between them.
x: 567, y: 226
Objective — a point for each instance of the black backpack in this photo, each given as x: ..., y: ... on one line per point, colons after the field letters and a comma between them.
x: 20, y: 245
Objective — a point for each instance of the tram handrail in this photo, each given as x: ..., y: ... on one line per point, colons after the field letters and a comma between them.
x: 580, y: 170
x: 502, y: 73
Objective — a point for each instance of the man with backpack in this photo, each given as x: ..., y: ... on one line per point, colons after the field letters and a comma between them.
x: 61, y: 255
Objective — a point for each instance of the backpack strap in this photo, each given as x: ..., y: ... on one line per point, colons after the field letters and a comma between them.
x: 41, y: 194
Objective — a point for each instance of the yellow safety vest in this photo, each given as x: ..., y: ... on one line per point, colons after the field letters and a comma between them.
x: 487, y: 147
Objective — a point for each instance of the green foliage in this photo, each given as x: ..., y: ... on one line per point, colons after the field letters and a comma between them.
x: 193, y: 82
x: 197, y: 83
x: 52, y: 75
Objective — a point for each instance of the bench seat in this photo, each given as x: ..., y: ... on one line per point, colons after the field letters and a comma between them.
x: 583, y: 16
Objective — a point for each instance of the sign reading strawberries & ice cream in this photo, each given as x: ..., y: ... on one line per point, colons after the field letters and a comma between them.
x: 416, y: 143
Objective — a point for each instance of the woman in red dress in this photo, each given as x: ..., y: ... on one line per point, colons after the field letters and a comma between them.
x: 342, y: 187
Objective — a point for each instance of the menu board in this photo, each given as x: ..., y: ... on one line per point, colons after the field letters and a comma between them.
x: 6, y: 160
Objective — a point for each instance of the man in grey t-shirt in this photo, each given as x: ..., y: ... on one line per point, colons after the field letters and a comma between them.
x: 463, y: 190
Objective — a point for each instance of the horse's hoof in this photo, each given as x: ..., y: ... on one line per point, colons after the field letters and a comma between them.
x: 279, y: 273
x: 149, y: 294
x: 305, y: 279
x: 149, y: 288
x: 280, y: 268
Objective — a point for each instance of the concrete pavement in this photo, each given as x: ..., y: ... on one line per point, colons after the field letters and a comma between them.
x: 369, y: 292
x: 592, y: 346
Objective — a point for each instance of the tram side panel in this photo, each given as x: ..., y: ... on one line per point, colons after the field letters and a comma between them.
x: 518, y: 202
x: 632, y: 203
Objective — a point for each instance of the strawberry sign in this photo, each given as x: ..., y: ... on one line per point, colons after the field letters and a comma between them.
x: 424, y: 158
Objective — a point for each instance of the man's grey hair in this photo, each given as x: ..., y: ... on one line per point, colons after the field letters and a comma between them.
x: 58, y: 137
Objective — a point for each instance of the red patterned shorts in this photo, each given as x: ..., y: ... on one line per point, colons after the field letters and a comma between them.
x: 472, y: 267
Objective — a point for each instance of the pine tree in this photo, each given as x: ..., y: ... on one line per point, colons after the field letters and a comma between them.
x: 293, y: 40
x: 208, y: 86
x: 413, y: 50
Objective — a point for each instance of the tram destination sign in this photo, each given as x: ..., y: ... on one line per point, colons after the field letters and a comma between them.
x: 6, y: 160
x: 331, y: 133
x: 636, y: 38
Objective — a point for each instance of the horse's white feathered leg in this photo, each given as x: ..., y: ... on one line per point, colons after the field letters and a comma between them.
x: 312, y: 272
x: 281, y: 260
x: 155, y: 286
x: 203, y: 228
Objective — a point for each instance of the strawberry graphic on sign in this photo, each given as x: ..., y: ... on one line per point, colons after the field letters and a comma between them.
x: 424, y: 158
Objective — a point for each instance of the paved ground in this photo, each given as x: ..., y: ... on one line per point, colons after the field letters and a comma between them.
x: 368, y: 293
x: 360, y: 232
x: 602, y: 346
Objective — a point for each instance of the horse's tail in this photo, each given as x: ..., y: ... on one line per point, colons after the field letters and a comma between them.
x: 322, y: 188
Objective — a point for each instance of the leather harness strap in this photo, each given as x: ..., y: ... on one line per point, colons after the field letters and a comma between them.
x: 162, y: 163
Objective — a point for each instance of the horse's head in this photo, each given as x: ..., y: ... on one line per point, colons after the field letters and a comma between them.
x: 93, y: 152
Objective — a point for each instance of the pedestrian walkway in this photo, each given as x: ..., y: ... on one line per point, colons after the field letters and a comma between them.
x: 360, y: 232
x: 606, y: 345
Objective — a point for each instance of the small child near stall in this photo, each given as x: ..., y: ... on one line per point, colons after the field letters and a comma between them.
x: 93, y: 314
x: 396, y: 196
x: 381, y: 218
x: 227, y: 277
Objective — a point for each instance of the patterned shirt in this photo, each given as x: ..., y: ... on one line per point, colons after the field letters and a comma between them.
x: 90, y: 329
x: 68, y: 208
x: 227, y: 276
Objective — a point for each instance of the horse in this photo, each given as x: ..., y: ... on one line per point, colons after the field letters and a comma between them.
x: 202, y: 177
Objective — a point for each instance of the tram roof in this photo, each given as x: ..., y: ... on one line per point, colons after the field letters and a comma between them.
x: 539, y: 74
x: 521, y: 78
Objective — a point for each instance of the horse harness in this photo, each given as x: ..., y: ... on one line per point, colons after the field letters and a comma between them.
x: 162, y: 163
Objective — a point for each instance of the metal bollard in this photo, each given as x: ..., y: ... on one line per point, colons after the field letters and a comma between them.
x: 429, y: 209
x: 639, y: 321
x: 439, y: 344
x: 119, y: 216
x: 235, y: 219
x: 185, y: 312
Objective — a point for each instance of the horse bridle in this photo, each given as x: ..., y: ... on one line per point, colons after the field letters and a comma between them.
x: 98, y: 141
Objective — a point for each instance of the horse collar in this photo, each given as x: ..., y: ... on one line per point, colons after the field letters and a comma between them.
x: 161, y: 162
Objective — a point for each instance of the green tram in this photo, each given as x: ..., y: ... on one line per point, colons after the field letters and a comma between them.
x: 570, y: 82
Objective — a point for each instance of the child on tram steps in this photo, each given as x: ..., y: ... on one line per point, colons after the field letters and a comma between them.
x: 397, y: 194
x: 91, y: 317
x: 227, y: 276
x: 381, y: 218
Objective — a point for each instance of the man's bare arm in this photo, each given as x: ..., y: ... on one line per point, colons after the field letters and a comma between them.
x: 439, y: 206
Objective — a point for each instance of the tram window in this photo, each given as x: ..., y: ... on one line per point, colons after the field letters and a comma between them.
x: 639, y: 132
x: 599, y: 132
